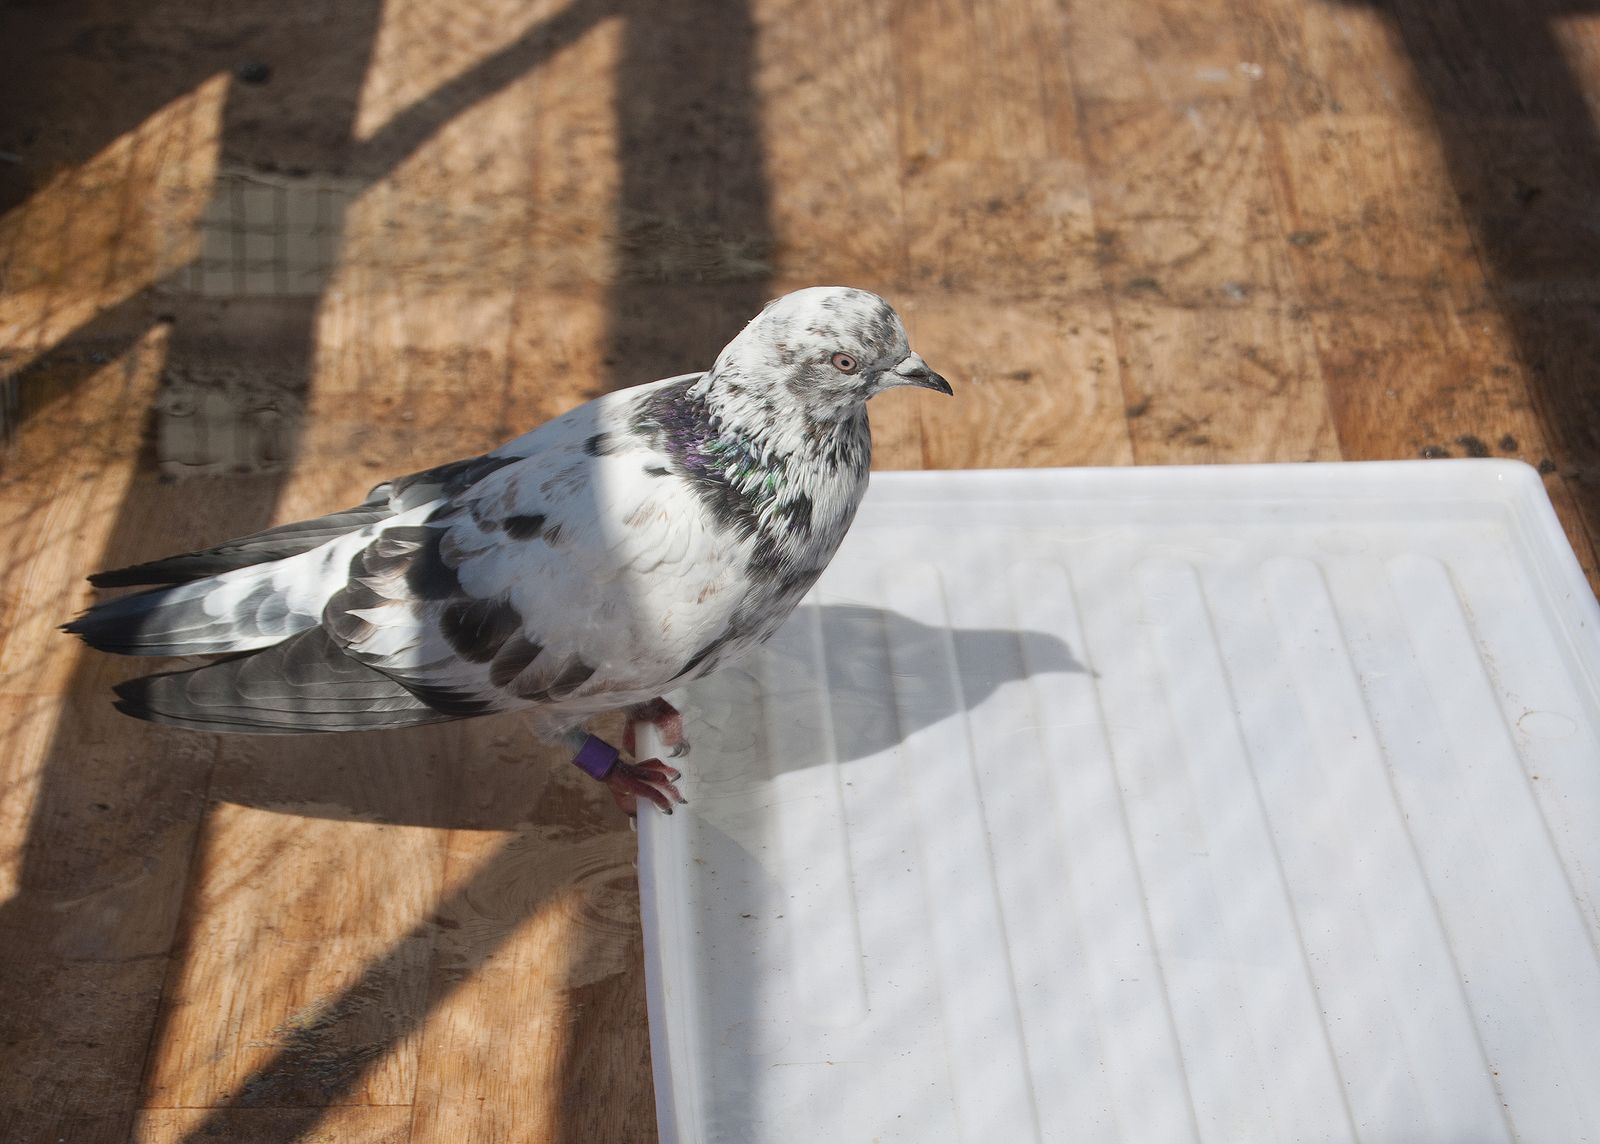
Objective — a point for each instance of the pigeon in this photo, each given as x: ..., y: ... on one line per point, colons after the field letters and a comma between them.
x: 622, y: 550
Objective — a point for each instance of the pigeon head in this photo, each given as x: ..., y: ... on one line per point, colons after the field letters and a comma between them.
x: 821, y: 352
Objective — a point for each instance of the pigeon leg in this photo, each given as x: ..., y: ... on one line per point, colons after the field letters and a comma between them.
x: 667, y: 721
x: 651, y: 778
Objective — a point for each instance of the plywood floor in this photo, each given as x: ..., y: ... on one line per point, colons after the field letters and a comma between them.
x: 256, y: 256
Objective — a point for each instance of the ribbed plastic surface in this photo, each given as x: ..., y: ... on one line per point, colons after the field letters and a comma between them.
x: 1229, y: 804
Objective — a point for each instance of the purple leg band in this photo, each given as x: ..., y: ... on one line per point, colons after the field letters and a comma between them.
x: 596, y: 758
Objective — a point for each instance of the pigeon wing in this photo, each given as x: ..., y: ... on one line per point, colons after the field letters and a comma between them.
x: 585, y: 574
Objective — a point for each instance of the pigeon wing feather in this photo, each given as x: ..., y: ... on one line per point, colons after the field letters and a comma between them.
x: 584, y: 575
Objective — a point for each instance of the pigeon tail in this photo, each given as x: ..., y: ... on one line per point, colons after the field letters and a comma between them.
x: 241, y: 610
x: 258, y: 548
x: 304, y: 685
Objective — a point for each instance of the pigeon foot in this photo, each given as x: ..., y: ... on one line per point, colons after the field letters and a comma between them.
x: 667, y: 721
x: 627, y: 782
x: 651, y: 779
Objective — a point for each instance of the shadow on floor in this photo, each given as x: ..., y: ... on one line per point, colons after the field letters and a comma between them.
x: 1520, y: 137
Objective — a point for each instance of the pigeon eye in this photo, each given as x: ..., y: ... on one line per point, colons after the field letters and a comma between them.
x: 844, y: 363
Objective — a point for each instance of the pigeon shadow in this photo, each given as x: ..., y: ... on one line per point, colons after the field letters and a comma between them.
x: 846, y: 682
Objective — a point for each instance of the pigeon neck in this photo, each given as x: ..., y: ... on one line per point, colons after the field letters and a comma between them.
x: 736, y: 453
x: 705, y: 437
x: 738, y: 424
x: 769, y: 424
x: 790, y: 481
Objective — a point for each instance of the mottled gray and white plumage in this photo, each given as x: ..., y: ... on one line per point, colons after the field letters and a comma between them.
x: 623, y: 549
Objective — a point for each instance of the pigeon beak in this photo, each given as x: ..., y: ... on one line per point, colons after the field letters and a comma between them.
x: 912, y: 370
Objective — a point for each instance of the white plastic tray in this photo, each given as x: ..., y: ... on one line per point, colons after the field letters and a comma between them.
x: 1253, y: 803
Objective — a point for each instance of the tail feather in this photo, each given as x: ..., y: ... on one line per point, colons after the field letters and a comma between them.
x: 176, y: 621
x: 242, y: 610
x: 258, y: 548
x: 303, y: 685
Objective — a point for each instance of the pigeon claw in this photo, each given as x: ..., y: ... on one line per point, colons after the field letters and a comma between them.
x: 651, y: 779
x: 667, y: 721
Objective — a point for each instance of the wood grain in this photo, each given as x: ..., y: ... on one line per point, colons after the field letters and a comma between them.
x: 300, y: 249
x: 541, y: 932
x: 995, y: 187
x: 353, y: 1125
x: 841, y: 217
x: 98, y: 232
x: 98, y: 831
x: 1039, y: 384
x: 286, y: 910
